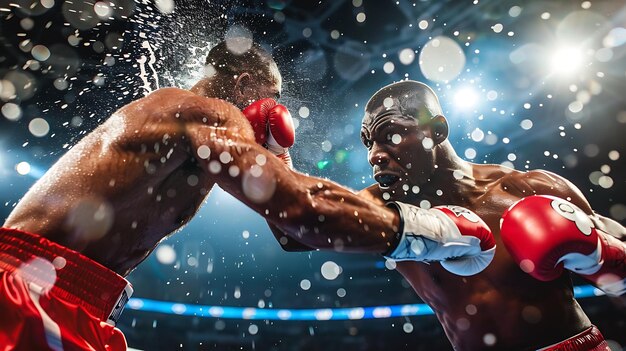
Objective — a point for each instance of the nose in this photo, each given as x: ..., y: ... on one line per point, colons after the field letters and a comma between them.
x: 378, y: 156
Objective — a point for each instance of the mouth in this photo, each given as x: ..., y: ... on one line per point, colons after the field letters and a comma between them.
x: 386, y: 180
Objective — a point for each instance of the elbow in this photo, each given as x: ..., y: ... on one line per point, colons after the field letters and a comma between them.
x: 291, y: 245
x: 300, y: 224
x: 300, y: 213
x: 288, y: 242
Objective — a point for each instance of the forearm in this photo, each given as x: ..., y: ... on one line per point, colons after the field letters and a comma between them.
x: 315, y: 212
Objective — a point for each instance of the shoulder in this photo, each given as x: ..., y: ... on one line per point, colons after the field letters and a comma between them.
x: 178, y: 97
x: 157, y: 101
x: 491, y: 172
x: 183, y: 104
x: 534, y: 181
x: 541, y: 182
x: 163, y: 96
x: 170, y: 91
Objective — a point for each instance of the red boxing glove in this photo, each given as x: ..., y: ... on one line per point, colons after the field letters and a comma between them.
x: 545, y: 234
x: 273, y: 127
x: 281, y: 126
x: 257, y: 115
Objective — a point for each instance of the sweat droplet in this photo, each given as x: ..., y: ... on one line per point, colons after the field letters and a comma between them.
x: 330, y: 270
x: 204, y: 152
x: 38, y: 271
x: 90, y: 219
x: 258, y: 186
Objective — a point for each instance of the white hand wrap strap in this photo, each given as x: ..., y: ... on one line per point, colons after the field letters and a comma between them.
x: 273, y: 146
x: 433, y: 235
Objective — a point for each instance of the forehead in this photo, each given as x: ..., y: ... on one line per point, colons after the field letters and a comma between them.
x: 388, y: 112
x: 391, y: 123
x: 404, y: 100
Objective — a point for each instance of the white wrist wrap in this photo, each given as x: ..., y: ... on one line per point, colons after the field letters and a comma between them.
x: 273, y: 146
x: 430, y: 235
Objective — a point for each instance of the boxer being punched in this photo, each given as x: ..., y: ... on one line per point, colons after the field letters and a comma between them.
x: 104, y: 206
x: 521, y: 299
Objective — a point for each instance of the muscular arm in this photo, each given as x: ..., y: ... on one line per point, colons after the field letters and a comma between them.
x: 122, y: 188
x: 143, y: 173
x: 316, y: 212
x: 292, y: 245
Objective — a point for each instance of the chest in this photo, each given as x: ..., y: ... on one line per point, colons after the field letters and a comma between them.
x: 439, y: 287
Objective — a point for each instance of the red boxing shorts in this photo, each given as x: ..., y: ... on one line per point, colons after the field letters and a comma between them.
x: 588, y: 340
x: 53, y: 298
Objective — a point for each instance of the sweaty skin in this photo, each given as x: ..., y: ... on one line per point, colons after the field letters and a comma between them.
x: 145, y: 171
x: 148, y: 168
x: 501, y: 307
x: 502, y: 301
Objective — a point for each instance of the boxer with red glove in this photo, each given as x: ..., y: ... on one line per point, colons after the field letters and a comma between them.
x: 452, y: 235
x: 546, y: 234
x: 94, y: 216
x: 273, y: 127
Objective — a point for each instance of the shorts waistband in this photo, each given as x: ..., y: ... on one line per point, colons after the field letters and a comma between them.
x: 588, y: 340
x: 64, y: 273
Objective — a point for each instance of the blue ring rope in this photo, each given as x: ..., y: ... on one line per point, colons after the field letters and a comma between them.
x: 319, y: 314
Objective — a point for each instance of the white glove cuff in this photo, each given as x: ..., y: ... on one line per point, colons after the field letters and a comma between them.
x: 273, y: 146
x: 430, y: 235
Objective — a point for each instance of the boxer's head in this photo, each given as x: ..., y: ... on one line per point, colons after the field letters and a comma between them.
x: 403, y: 128
x: 241, y: 76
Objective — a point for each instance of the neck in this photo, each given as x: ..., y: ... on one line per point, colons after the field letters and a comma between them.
x: 453, y: 178
x: 205, y: 87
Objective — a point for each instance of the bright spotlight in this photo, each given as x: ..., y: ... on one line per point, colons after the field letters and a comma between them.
x: 23, y: 168
x: 465, y: 98
x: 566, y: 60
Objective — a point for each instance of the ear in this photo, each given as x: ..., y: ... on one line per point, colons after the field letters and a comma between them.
x: 438, y: 129
x: 242, y: 86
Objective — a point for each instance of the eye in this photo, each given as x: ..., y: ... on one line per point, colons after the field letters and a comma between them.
x: 366, y: 142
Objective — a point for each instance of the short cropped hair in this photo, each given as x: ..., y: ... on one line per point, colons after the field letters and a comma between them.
x: 415, y: 100
x: 255, y: 60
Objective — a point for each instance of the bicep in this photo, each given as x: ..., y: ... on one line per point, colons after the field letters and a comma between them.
x: 372, y: 194
x: 548, y: 183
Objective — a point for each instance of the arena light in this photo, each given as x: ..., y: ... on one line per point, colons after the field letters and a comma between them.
x: 321, y: 314
x: 566, y: 60
x: 465, y: 98
x: 23, y: 168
